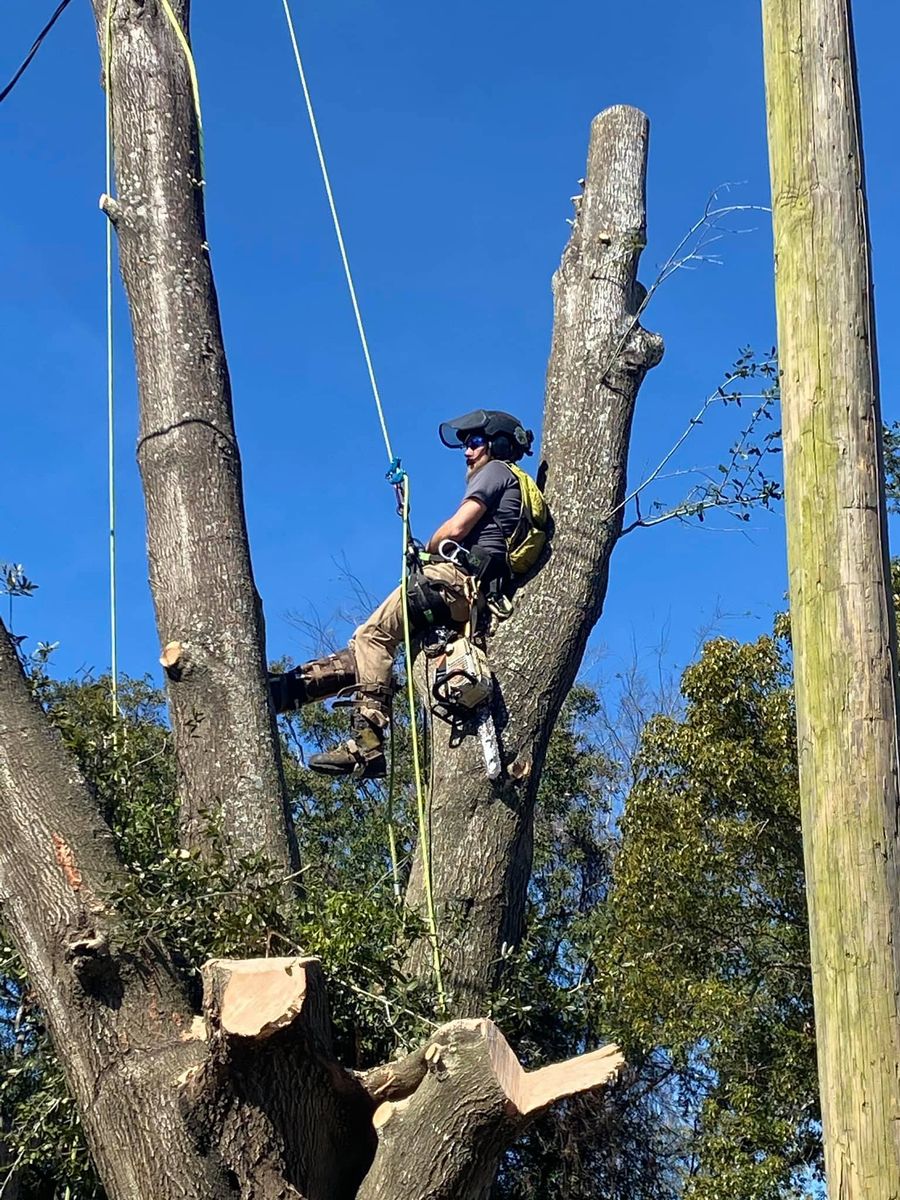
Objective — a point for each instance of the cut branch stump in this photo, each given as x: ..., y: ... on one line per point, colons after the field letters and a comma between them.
x: 444, y: 1140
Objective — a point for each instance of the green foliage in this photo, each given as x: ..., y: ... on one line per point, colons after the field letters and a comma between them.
x: 892, y: 465
x: 541, y: 1004
x: 614, y: 1146
x: 46, y: 1148
x: 706, y: 972
x: 40, y: 1134
x: 356, y: 921
x: 687, y: 943
x: 14, y: 581
x: 743, y: 481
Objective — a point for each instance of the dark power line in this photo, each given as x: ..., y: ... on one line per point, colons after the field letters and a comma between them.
x: 34, y: 49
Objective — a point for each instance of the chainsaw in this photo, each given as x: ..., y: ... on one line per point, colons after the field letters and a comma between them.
x: 462, y: 692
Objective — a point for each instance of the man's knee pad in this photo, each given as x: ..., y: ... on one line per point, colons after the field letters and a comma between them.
x: 426, y: 603
x: 316, y: 680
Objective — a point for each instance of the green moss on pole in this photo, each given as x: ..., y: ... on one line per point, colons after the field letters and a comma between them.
x: 841, y: 613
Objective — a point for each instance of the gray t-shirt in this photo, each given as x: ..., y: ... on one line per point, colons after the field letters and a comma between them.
x: 497, y: 488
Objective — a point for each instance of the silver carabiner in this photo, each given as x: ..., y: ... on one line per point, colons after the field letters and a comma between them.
x: 453, y: 555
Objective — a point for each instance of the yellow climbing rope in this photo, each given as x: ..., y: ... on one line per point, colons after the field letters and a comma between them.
x: 326, y: 179
x: 195, y: 83
x: 424, y: 839
x: 400, y: 479
x: 110, y: 386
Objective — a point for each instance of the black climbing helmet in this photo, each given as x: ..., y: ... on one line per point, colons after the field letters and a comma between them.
x: 507, y: 437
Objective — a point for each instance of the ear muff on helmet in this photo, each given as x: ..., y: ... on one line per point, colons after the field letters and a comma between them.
x: 502, y: 446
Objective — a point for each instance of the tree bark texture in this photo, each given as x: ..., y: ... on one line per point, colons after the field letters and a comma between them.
x: 285, y: 1117
x: 482, y: 832
x: 117, y: 1017
x: 842, y: 622
x: 167, y: 1113
x: 200, y: 570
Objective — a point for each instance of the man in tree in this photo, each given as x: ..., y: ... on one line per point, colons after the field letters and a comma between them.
x: 161, y: 1118
x: 471, y: 545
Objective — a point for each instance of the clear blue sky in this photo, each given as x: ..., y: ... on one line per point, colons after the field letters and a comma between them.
x: 455, y: 135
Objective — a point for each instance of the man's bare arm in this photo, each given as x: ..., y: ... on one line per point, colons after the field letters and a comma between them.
x: 462, y: 522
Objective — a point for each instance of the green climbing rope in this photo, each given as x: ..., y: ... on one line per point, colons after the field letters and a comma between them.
x: 424, y: 839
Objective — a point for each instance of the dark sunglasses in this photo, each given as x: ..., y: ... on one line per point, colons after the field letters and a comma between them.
x: 475, y: 441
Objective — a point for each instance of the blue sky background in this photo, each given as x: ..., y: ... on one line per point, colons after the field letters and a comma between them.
x: 455, y: 137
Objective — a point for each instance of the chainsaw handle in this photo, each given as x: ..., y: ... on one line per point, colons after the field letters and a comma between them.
x: 440, y: 685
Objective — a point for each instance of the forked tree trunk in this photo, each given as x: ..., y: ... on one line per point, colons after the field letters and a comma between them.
x: 482, y: 832
x: 208, y: 612
x: 842, y: 621
x: 249, y: 1102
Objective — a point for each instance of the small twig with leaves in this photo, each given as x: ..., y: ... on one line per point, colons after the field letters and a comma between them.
x: 14, y: 582
x: 742, y: 482
x: 706, y: 230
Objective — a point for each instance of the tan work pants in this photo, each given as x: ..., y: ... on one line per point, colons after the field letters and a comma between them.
x: 375, y: 642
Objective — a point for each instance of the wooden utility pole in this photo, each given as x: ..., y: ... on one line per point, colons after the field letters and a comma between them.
x: 842, y: 618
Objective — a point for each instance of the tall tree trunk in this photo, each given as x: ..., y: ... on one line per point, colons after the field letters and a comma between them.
x: 208, y: 611
x: 482, y: 832
x: 841, y: 613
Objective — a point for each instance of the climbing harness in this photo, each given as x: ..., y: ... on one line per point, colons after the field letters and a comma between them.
x: 426, y: 603
x: 463, y: 687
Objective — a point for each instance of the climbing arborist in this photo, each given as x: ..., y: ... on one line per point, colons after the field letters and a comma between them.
x: 472, y: 544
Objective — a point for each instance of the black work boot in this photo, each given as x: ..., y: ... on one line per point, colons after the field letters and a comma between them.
x: 319, y: 679
x: 362, y: 755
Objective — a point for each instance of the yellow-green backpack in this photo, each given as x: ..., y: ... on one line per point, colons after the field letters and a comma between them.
x: 525, y: 546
